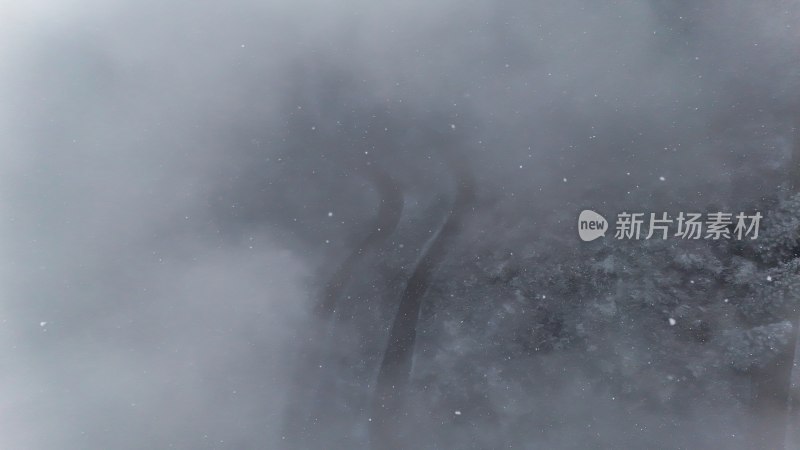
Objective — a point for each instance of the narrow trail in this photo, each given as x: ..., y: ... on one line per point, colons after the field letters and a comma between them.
x: 389, y: 212
x: 395, y: 369
x: 307, y: 399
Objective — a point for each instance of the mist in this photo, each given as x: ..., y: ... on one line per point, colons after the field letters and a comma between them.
x: 350, y: 225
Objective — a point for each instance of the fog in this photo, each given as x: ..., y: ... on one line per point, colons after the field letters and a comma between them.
x: 183, y: 184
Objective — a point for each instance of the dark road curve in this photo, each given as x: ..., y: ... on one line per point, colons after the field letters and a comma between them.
x: 390, y: 210
x: 395, y: 368
x: 299, y: 419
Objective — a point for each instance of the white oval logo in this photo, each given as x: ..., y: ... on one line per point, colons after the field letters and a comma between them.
x: 591, y: 225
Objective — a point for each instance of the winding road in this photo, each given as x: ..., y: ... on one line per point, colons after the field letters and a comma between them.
x: 389, y: 212
x: 301, y: 418
x: 395, y: 369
